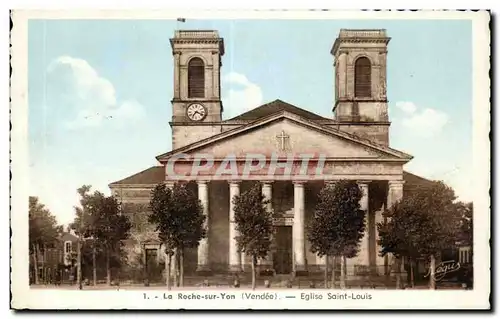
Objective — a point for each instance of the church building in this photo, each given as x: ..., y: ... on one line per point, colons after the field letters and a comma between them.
x: 354, y: 142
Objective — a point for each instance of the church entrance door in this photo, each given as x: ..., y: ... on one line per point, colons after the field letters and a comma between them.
x: 282, y: 257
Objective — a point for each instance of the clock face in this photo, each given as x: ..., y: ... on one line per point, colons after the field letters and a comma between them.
x: 196, y: 112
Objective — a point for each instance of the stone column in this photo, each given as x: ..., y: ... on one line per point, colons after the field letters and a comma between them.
x: 383, y: 76
x: 267, y: 189
x: 183, y: 81
x: 203, y: 246
x: 216, y: 74
x: 394, y: 194
x: 234, y: 254
x: 364, y: 251
x: 299, y: 251
x: 177, y: 63
x: 342, y: 75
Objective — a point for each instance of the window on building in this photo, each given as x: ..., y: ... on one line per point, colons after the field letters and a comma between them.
x: 196, y: 78
x: 67, y: 247
x: 363, y: 78
x: 464, y: 256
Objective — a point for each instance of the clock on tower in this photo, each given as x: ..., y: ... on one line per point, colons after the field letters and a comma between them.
x: 196, y: 112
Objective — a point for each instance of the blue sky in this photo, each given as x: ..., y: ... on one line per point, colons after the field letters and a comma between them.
x: 123, y: 68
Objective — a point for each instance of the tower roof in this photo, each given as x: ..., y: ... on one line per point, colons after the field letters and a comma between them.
x: 351, y: 36
x: 198, y: 37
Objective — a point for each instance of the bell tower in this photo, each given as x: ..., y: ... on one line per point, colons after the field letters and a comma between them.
x: 360, y: 76
x: 196, y: 104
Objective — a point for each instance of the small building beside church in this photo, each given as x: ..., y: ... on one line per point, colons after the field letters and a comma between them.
x: 351, y: 144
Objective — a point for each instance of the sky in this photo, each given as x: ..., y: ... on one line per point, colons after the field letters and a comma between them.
x: 99, y: 93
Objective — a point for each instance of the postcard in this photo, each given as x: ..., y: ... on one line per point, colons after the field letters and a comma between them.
x: 250, y: 159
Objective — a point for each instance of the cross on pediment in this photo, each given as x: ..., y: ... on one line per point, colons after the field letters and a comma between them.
x: 282, y: 137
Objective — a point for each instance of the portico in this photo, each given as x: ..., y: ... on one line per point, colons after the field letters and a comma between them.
x: 289, y: 160
x: 289, y: 251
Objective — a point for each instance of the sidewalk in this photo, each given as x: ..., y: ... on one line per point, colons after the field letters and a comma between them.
x: 220, y: 287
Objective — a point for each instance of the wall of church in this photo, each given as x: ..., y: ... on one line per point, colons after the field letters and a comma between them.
x: 372, y: 111
x: 185, y: 135
x: 378, y: 133
x: 140, y: 232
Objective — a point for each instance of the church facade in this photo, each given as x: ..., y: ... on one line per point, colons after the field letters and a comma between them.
x: 351, y: 144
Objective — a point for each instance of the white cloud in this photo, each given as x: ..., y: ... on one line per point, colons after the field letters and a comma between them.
x: 425, y: 123
x: 94, y: 96
x: 244, y: 96
x: 407, y: 107
x: 461, y: 180
x: 457, y: 174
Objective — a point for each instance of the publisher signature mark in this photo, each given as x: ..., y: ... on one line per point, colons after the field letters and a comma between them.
x: 444, y: 268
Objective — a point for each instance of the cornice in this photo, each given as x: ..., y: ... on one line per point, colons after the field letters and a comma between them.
x: 346, y: 40
x: 195, y: 100
x: 191, y: 123
x: 218, y: 41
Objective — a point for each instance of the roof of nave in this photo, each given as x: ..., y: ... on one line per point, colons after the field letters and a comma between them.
x: 151, y: 176
x: 273, y: 107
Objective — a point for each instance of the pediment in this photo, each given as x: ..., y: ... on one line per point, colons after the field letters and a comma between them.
x: 285, y: 134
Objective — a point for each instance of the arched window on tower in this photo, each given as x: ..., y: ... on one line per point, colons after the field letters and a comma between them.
x: 196, y: 78
x: 363, y: 78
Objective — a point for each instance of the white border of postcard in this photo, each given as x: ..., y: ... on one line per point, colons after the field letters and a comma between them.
x: 24, y: 297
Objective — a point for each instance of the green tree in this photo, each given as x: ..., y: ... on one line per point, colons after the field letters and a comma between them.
x: 254, y: 226
x: 421, y: 224
x: 110, y: 230
x: 99, y: 222
x: 398, y: 236
x: 338, y: 224
x: 83, y: 225
x: 43, y: 231
x: 465, y: 231
x: 179, y: 219
x: 321, y: 238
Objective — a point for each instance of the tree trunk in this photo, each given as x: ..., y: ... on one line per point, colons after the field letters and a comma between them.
x: 342, y: 271
x: 108, y: 268
x: 181, y: 267
x: 412, y: 277
x: 44, y: 255
x: 79, y: 263
x: 178, y: 267
x: 175, y: 267
x: 94, y: 267
x: 398, y: 273
x: 334, y: 267
x: 254, y: 271
x: 168, y: 267
x: 326, y: 271
x: 432, y: 277
x: 35, y: 261
x: 145, y: 267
